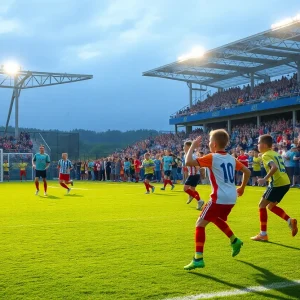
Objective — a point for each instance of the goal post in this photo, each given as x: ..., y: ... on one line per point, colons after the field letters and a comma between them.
x: 14, y: 160
x: 1, y: 165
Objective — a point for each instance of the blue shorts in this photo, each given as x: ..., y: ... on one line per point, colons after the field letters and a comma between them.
x: 167, y: 173
x: 149, y: 176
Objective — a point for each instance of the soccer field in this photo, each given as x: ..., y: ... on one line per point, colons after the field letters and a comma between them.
x: 111, y: 241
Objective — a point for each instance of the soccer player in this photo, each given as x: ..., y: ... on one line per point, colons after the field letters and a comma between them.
x: 137, y: 169
x: 221, y: 166
x: 40, y: 163
x: 243, y: 158
x: 148, y: 165
x: 278, y: 187
x: 192, y: 180
x: 65, y: 166
x: 167, y: 161
x: 256, y: 174
x: 22, y: 167
x: 6, y: 170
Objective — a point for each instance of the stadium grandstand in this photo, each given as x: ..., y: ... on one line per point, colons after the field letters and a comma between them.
x: 253, y: 80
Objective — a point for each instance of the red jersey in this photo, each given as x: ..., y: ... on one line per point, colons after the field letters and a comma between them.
x: 243, y: 159
x: 137, y: 165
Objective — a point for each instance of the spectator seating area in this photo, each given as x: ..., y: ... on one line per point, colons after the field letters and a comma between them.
x: 22, y: 145
x: 242, y: 136
x: 268, y: 91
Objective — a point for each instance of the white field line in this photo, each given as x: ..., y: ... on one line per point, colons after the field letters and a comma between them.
x: 251, y: 289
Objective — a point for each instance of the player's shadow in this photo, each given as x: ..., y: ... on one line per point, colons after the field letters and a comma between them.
x: 285, y: 246
x: 246, y: 288
x: 51, y: 197
x: 265, y: 277
x: 74, y: 195
x: 162, y: 194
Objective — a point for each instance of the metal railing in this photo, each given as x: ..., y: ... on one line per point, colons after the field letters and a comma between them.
x: 219, y: 108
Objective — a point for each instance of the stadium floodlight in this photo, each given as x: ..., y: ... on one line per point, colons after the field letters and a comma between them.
x: 286, y: 22
x: 196, y: 52
x: 11, y: 68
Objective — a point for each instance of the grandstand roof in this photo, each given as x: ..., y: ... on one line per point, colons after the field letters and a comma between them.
x: 267, y: 54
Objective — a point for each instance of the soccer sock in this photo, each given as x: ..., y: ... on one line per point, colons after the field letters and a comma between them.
x: 199, y: 239
x: 193, y: 194
x: 147, y: 186
x: 279, y: 212
x: 37, y: 185
x: 263, y: 215
x: 45, y: 187
x: 223, y: 226
x: 64, y: 186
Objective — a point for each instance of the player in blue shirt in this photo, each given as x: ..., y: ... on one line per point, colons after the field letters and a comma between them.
x: 40, y: 163
x: 167, y: 162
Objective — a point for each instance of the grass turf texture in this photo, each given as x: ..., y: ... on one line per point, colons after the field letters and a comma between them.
x: 111, y: 241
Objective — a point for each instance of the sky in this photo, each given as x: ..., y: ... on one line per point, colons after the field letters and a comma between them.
x: 115, y: 41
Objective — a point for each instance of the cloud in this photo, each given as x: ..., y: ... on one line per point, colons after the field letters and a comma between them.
x: 5, y: 5
x: 119, y: 12
x: 8, y: 25
x: 141, y: 30
x: 115, y: 37
x: 87, y: 51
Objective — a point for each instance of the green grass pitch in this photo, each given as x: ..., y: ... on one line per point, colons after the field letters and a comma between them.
x: 111, y: 241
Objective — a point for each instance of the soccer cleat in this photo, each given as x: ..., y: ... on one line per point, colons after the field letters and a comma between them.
x: 45, y: 194
x: 194, y: 264
x: 72, y: 183
x: 147, y: 192
x: 37, y: 192
x: 189, y: 200
x: 259, y: 237
x: 293, y: 226
x: 200, y: 204
x: 162, y: 189
x: 236, y: 247
x: 68, y: 191
x: 153, y: 189
x: 172, y: 187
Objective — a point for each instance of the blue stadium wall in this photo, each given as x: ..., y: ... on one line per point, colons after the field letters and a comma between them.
x: 292, y: 103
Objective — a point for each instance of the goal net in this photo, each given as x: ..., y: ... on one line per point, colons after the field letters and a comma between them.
x: 16, y: 162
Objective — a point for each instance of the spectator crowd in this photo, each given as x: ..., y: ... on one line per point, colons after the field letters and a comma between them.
x: 21, y: 145
x: 125, y: 165
x: 236, y: 96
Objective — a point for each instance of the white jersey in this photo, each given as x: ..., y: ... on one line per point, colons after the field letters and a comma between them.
x: 221, y: 171
x: 64, y: 166
x: 193, y: 170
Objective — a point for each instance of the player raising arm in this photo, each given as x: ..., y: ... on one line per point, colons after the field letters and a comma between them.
x: 221, y: 167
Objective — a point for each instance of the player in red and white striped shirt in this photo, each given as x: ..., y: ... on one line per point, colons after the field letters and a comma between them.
x: 65, y: 166
x: 192, y: 180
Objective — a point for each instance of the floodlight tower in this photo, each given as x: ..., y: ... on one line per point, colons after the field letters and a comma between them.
x: 11, y: 76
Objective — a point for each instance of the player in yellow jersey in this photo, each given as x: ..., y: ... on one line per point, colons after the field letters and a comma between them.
x: 256, y: 174
x: 22, y: 167
x: 148, y: 165
x: 278, y: 187
x: 6, y: 170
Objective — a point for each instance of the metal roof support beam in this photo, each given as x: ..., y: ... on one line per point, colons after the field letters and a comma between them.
x: 252, y: 82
